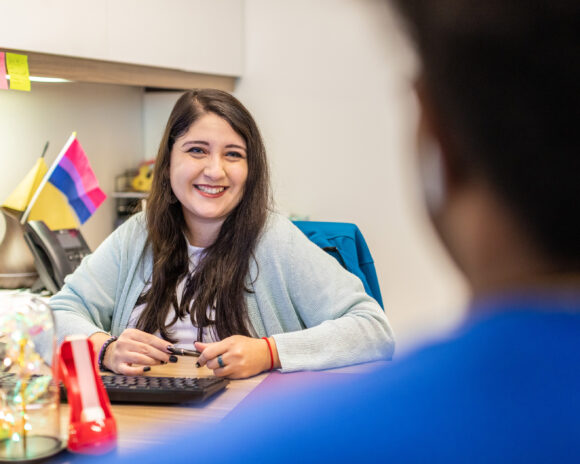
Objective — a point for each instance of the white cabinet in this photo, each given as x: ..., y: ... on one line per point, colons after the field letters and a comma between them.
x: 63, y: 27
x: 191, y: 35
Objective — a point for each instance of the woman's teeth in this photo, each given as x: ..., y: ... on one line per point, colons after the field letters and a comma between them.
x: 210, y: 190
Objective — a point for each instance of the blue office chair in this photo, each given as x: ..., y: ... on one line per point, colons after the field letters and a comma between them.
x: 347, y: 245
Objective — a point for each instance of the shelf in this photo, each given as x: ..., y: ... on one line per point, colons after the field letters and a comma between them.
x: 111, y: 72
x: 131, y: 195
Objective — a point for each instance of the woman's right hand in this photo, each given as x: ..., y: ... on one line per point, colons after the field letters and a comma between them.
x: 132, y: 347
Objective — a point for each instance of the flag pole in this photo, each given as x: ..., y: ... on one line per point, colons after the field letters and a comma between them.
x: 45, y: 148
x: 46, y: 177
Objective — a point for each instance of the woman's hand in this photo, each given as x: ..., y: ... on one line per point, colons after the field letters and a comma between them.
x: 133, y: 347
x: 241, y: 356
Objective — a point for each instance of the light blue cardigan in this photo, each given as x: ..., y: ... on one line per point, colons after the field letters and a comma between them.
x: 318, y: 313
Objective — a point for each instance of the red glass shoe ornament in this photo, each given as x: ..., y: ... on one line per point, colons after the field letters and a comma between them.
x: 92, y: 427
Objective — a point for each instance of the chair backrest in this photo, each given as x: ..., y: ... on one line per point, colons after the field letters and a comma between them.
x: 346, y: 243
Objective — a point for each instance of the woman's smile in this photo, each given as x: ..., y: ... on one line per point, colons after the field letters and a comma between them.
x: 210, y: 191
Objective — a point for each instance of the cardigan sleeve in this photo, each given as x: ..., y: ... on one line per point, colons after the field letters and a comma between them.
x: 86, y: 302
x: 323, y: 316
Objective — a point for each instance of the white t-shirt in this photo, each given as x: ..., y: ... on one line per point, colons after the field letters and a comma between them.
x: 183, y: 330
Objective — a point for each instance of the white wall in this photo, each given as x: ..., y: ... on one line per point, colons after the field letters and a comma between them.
x: 328, y: 83
x: 108, y: 122
x: 156, y: 109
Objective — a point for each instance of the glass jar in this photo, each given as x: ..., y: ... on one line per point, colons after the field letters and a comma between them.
x: 29, y: 395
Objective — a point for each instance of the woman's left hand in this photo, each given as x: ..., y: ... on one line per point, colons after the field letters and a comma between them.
x: 240, y: 356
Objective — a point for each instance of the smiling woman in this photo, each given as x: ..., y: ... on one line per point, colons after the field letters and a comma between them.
x: 208, y: 171
x: 209, y: 266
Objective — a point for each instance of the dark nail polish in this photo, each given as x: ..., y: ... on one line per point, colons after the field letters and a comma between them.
x: 169, y: 348
x: 146, y: 368
x: 163, y: 362
x: 197, y: 364
x: 172, y: 358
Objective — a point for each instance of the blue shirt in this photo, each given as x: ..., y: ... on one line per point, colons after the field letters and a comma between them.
x: 505, y: 387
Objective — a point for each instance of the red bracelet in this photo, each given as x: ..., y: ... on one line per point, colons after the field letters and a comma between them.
x: 271, y: 354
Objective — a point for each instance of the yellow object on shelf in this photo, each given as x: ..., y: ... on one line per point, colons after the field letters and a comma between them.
x: 143, y: 180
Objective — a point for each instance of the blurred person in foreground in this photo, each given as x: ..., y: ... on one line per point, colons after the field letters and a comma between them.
x: 498, y: 90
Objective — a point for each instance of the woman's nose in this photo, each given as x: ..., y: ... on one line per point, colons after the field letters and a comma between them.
x: 214, y: 168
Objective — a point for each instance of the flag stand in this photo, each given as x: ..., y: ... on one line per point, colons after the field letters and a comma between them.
x: 17, y: 269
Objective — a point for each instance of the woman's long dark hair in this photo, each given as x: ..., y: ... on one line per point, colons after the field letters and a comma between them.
x: 219, y: 281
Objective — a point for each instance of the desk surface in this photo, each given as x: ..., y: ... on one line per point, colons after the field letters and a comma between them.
x: 148, y: 425
x: 140, y: 425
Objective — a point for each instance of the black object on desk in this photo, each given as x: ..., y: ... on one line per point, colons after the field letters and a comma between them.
x: 167, y: 390
x: 57, y: 253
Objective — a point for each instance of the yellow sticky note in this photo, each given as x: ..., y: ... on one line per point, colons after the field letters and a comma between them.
x: 18, y: 70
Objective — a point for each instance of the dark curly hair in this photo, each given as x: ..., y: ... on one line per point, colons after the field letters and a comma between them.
x: 503, y: 78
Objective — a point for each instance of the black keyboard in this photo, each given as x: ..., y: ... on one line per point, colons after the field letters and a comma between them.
x: 136, y: 389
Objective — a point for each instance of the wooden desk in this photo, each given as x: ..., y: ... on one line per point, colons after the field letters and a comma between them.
x: 139, y: 425
x: 146, y: 425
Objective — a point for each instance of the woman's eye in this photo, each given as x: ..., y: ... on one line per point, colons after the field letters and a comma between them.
x: 234, y: 154
x: 195, y: 150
